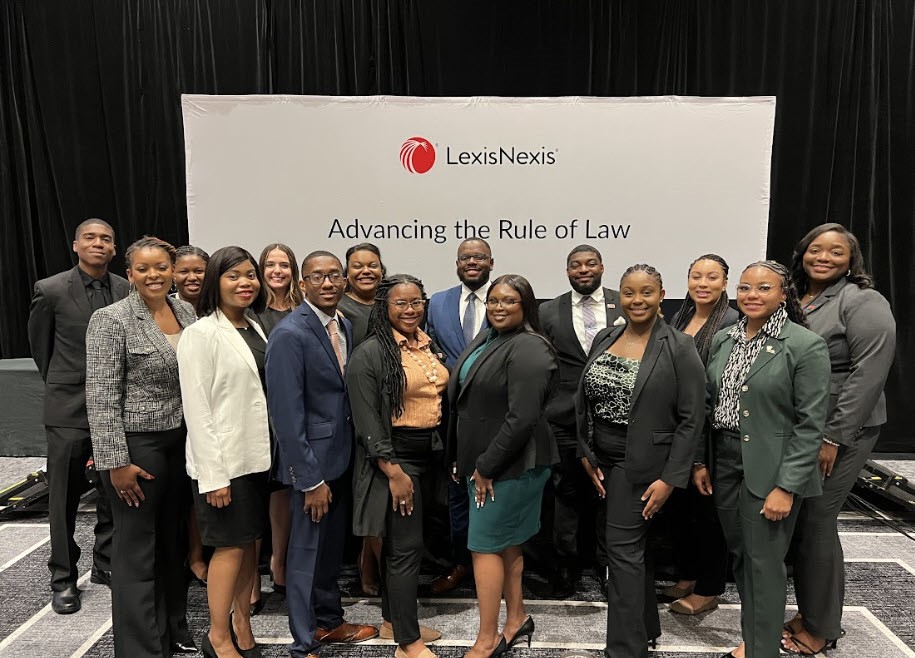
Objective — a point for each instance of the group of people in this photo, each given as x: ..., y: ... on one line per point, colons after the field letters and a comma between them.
x: 258, y: 401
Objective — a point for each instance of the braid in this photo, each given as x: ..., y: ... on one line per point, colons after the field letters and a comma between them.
x: 687, y: 309
x: 792, y: 299
x: 394, y: 380
x: 647, y: 269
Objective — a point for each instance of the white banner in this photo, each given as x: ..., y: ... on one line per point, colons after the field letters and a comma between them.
x: 655, y: 180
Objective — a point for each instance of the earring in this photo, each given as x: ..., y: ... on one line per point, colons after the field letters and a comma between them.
x: 848, y: 273
x: 783, y: 304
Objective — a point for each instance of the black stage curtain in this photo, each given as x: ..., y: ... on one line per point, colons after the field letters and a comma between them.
x: 90, y: 121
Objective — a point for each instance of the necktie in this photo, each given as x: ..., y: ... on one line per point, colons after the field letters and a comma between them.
x: 335, y: 342
x: 96, y: 297
x: 470, y: 319
x: 587, y: 312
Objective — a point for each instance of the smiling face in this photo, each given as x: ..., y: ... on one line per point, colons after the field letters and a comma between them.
x: 326, y: 294
x: 278, y: 272
x: 151, y: 273
x: 706, y: 282
x: 503, y: 308
x: 189, y: 271
x: 640, y: 297
x: 584, y: 270
x: 401, y: 300
x: 759, y: 294
x: 474, y: 263
x: 827, y: 258
x: 94, y: 246
x: 363, y: 272
x: 238, y: 287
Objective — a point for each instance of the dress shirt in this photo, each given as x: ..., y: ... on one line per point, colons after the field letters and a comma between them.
x: 578, y: 319
x: 422, y: 399
x: 104, y: 291
x: 479, y: 301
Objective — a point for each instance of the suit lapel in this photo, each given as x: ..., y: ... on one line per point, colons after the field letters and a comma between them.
x: 479, y: 340
x: 149, y: 327
x: 119, y: 287
x: 78, y: 292
x: 453, y: 313
x: 321, y: 333
x: 236, y: 341
x: 611, y: 306
x: 825, y: 297
x: 649, y: 359
x: 565, y: 328
x: 769, y: 351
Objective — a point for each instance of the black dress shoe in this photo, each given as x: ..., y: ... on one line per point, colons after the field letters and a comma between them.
x: 603, y: 577
x: 564, y: 583
x: 101, y: 577
x: 67, y: 601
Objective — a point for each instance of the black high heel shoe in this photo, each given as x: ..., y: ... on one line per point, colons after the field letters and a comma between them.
x: 253, y: 652
x: 206, y: 647
x: 527, y: 629
x: 501, y: 648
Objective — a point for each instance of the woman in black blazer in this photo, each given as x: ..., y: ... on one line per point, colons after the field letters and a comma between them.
x: 700, y: 553
x: 640, y: 409
x: 499, y: 438
x: 133, y: 399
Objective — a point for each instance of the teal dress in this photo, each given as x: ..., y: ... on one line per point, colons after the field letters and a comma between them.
x: 514, y: 516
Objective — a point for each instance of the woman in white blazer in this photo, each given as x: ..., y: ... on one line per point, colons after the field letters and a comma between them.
x: 221, y: 366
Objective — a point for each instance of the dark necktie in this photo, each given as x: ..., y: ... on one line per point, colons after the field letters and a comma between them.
x: 96, y: 296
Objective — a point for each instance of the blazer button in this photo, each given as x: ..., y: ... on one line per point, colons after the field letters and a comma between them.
x: 746, y: 437
x: 746, y: 412
x: 744, y: 388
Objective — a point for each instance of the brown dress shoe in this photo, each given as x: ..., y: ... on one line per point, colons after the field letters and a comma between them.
x: 446, y: 583
x: 426, y: 634
x: 346, y: 634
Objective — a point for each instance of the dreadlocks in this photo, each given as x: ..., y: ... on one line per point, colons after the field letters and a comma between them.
x: 792, y: 299
x: 394, y: 381
x: 687, y: 310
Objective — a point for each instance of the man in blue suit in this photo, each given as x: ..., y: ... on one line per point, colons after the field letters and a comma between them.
x: 310, y: 413
x: 454, y: 317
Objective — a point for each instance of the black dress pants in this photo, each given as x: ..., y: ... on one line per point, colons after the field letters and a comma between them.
x: 148, y: 589
x: 632, y: 611
x: 700, y: 552
x: 68, y: 450
x: 578, y: 520
x: 403, y: 541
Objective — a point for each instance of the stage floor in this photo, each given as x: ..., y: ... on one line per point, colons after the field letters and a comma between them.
x: 879, y: 616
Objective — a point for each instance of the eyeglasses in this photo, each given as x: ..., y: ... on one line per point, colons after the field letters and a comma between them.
x: 402, y: 304
x: 476, y: 258
x: 318, y: 279
x: 504, y: 303
x: 762, y: 288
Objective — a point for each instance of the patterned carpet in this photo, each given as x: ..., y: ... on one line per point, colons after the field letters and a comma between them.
x: 879, y: 617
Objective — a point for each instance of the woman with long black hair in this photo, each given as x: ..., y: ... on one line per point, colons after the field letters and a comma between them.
x: 396, y: 381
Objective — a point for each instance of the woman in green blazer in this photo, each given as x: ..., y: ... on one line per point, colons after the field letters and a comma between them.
x: 768, y: 379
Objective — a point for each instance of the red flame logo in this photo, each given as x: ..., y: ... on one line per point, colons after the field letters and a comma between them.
x: 417, y: 155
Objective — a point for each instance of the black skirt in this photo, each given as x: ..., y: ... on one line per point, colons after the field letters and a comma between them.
x: 242, y: 521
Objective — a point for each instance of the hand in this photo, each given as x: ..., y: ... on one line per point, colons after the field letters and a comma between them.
x: 454, y: 475
x: 702, y: 480
x: 596, y: 475
x: 401, y: 486
x: 828, y: 455
x: 483, y: 487
x: 317, y: 502
x: 778, y: 504
x: 124, y: 481
x: 220, y: 497
x: 656, y: 495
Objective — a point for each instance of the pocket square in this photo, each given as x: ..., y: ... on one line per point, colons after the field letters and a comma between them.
x: 619, y: 322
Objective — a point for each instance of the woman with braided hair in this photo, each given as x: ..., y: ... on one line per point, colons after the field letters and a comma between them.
x: 699, y: 550
x: 768, y: 379
x: 639, y: 409
x: 396, y: 381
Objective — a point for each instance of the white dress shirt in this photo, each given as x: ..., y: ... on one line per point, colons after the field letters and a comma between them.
x: 479, y: 305
x: 578, y: 320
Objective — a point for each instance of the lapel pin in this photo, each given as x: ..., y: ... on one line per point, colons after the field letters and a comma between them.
x: 611, y: 305
x: 770, y: 349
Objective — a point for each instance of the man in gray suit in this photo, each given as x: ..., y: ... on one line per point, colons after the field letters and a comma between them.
x: 59, y: 314
x: 571, y: 321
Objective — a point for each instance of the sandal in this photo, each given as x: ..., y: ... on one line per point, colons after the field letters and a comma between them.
x: 802, y: 649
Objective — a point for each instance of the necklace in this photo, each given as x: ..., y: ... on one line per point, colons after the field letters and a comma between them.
x: 637, y: 340
x: 429, y: 371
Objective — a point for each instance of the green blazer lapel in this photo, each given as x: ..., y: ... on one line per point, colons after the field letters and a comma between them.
x: 715, y: 370
x: 769, y: 351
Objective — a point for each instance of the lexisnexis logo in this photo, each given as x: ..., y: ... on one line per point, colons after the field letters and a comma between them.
x: 417, y: 155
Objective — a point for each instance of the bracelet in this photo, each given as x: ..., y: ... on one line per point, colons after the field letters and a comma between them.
x: 830, y: 442
x: 698, y: 465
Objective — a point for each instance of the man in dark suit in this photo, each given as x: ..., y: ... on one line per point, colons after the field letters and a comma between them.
x: 310, y: 413
x: 571, y: 321
x: 59, y: 314
x: 453, y: 319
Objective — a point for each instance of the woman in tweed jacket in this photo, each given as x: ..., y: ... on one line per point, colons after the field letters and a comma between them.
x: 133, y: 399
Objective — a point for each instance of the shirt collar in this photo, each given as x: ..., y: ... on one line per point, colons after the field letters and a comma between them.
x: 480, y: 292
x: 422, y: 340
x: 88, y: 279
x: 772, y: 328
x: 322, y: 316
x: 597, y: 296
